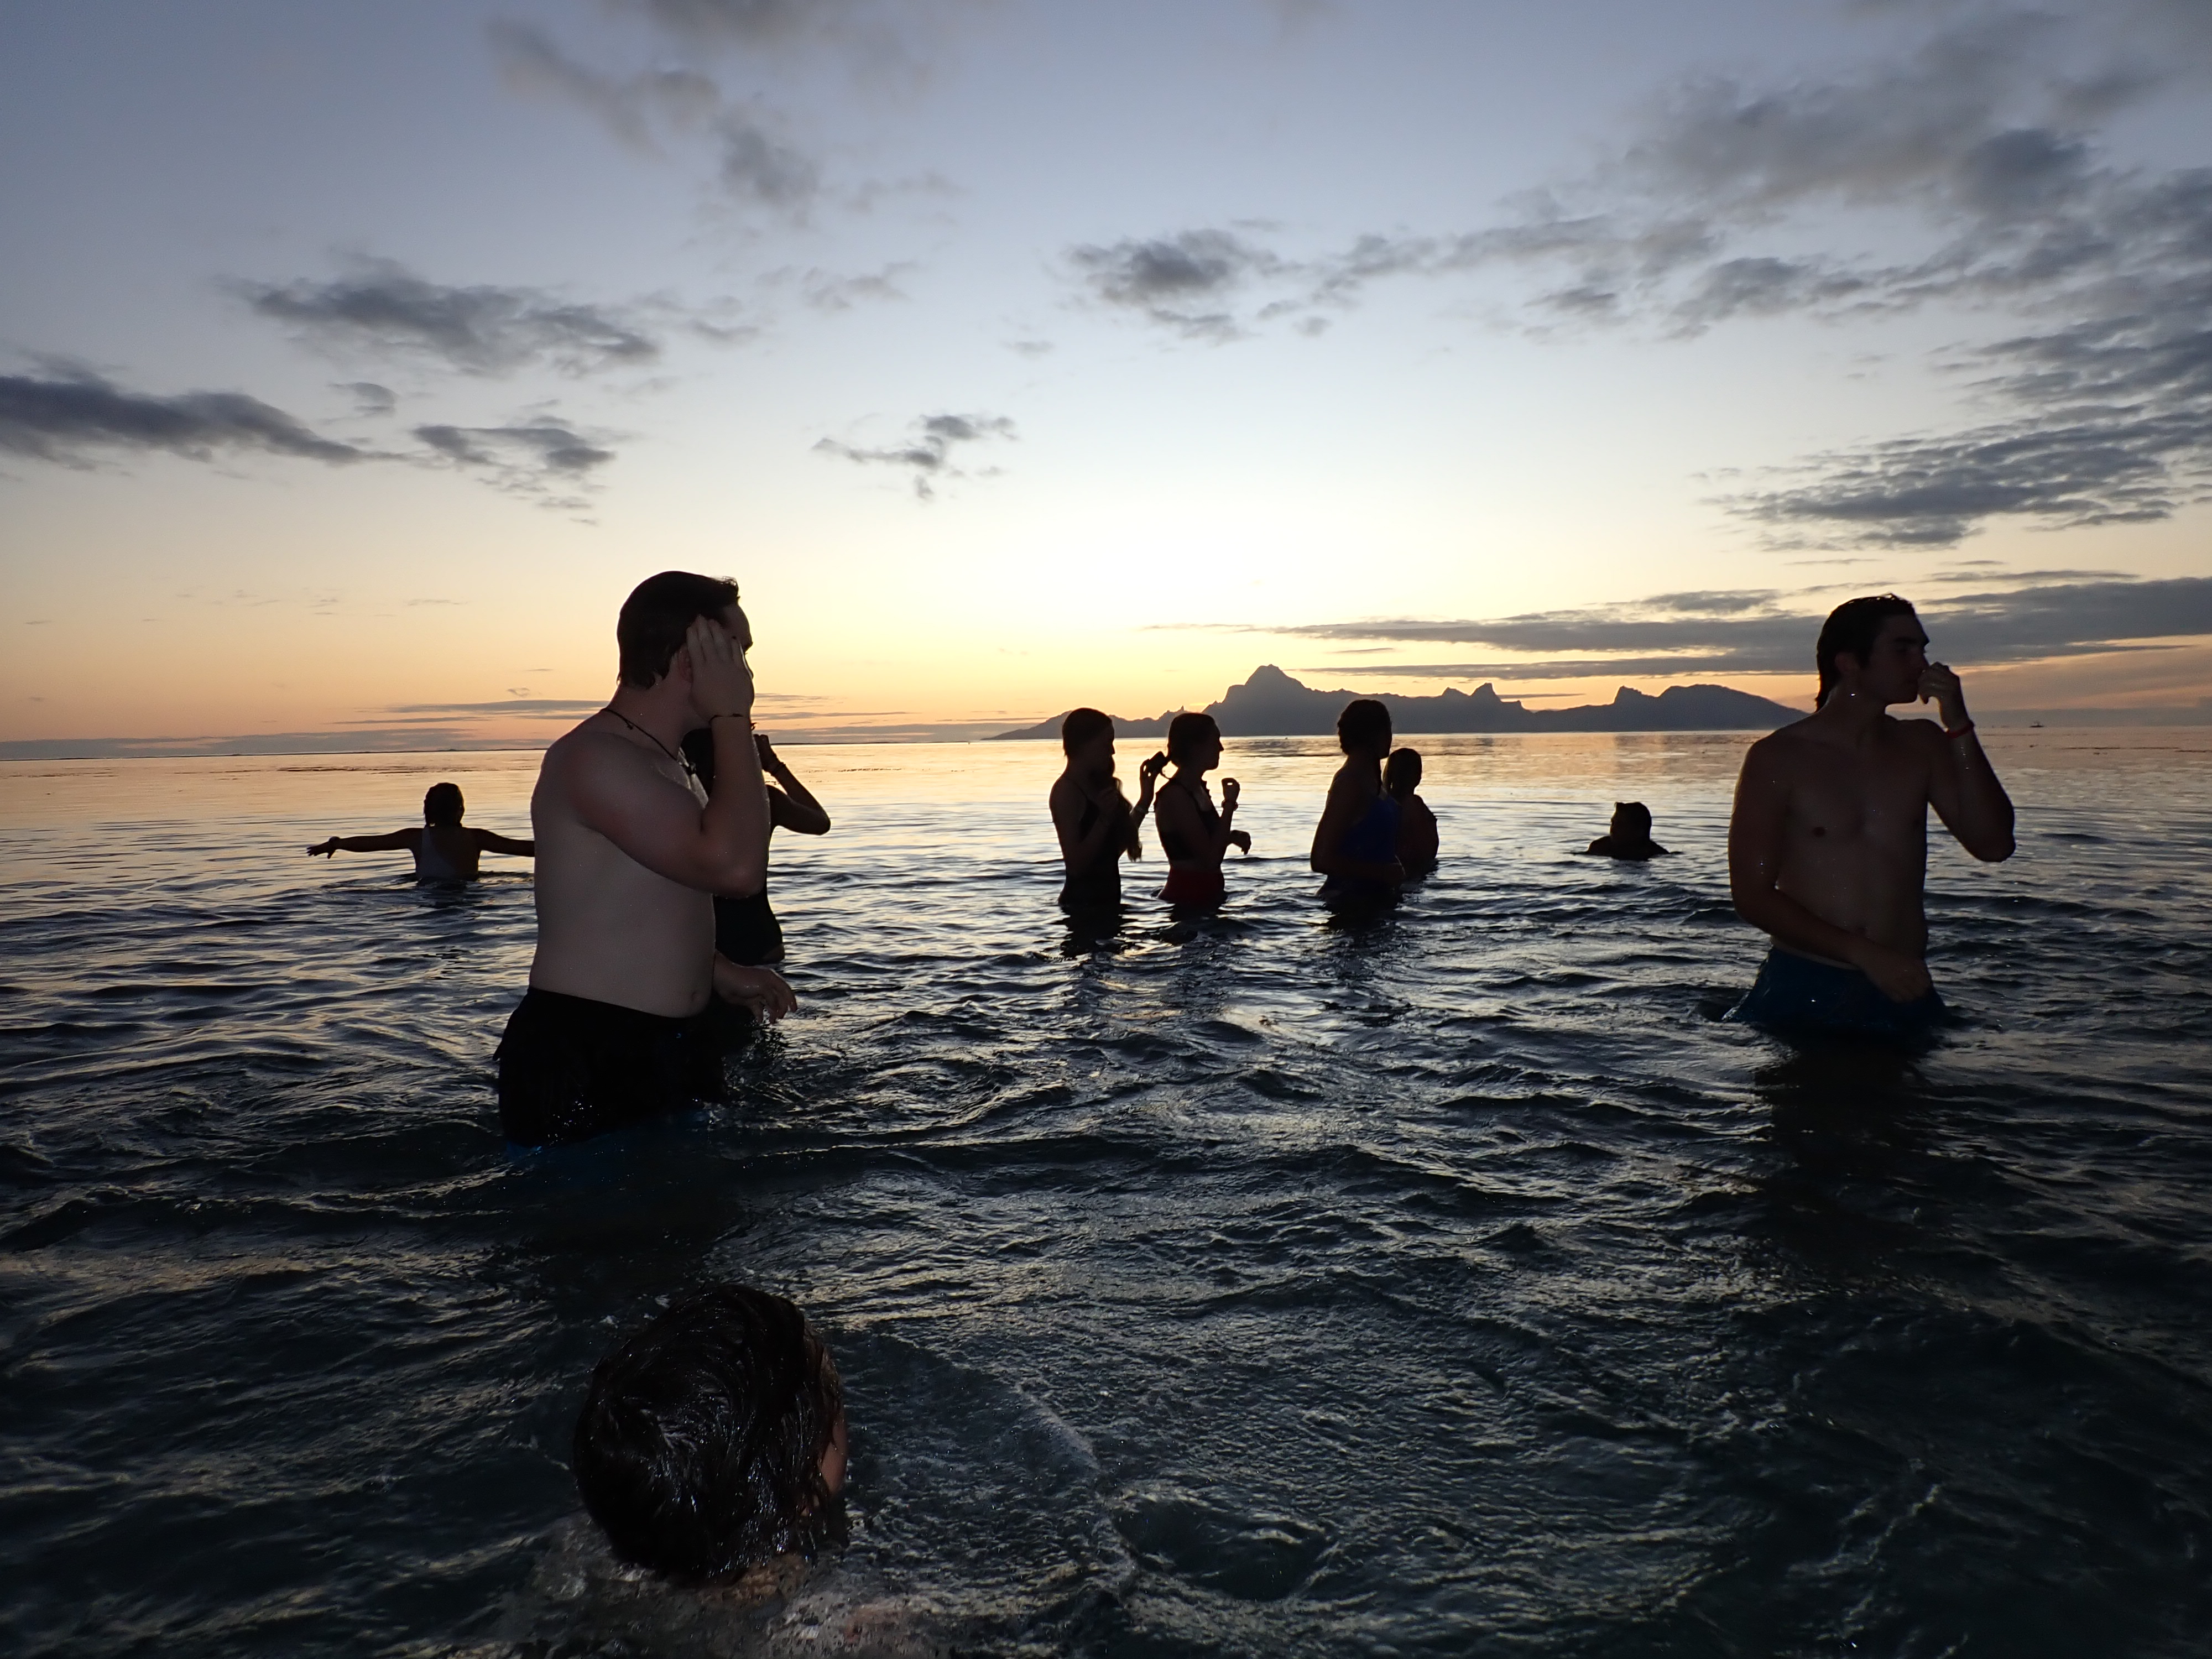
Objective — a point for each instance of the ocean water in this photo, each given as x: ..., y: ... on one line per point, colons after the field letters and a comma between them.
x: 1450, y: 1284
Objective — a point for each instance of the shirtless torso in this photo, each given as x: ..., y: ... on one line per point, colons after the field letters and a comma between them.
x: 629, y: 854
x: 1828, y: 842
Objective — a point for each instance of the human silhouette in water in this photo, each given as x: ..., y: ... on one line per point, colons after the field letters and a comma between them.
x: 1355, y: 844
x: 1828, y: 841
x: 1417, y: 825
x: 1095, y: 821
x: 1630, y: 835
x: 445, y: 848
x: 745, y: 928
x: 1193, y: 835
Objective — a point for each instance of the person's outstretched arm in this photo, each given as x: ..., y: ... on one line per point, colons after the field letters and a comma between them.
x: 488, y: 842
x: 399, y: 840
x: 1962, y: 785
x: 1758, y: 827
x: 793, y: 806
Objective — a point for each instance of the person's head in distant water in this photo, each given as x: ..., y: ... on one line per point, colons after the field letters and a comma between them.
x: 1193, y: 742
x: 1882, y: 637
x: 661, y: 610
x: 1401, y: 773
x: 1086, y: 737
x: 1364, y: 728
x: 1631, y: 823
x: 713, y: 1440
x: 442, y: 804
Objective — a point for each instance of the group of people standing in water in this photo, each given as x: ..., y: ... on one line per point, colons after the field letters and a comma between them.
x: 713, y: 1442
x: 1375, y: 831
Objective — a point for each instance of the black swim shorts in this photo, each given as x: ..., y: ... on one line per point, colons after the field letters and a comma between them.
x: 570, y: 1068
x: 1796, y: 996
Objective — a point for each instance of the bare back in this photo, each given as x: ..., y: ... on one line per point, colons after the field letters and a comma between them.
x: 608, y: 927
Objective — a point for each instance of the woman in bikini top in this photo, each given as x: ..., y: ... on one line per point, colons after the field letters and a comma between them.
x: 1193, y: 835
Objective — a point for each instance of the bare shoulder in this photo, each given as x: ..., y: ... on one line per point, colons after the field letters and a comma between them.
x: 1782, y: 752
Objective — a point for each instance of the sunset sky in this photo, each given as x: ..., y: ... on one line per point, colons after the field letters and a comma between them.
x: 1016, y: 354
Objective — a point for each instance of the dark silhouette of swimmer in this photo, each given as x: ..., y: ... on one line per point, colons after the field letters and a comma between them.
x: 745, y: 928
x: 445, y: 848
x: 1630, y: 835
x: 1355, y: 844
x: 1095, y: 821
x: 1828, y: 841
x: 1193, y: 836
x: 1417, y: 825
x: 711, y: 1446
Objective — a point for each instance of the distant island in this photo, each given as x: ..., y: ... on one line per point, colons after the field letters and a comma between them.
x: 1270, y: 704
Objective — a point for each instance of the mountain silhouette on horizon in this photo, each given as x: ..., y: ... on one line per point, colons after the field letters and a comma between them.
x: 1272, y: 704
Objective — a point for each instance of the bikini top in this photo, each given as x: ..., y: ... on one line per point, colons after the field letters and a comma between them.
x: 1202, y: 799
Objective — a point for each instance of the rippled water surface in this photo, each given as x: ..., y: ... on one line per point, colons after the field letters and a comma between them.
x: 1453, y: 1284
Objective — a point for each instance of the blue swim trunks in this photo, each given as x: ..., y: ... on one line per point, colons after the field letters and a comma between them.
x: 1796, y: 996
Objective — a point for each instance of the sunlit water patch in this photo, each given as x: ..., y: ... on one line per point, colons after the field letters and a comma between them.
x: 1448, y: 1283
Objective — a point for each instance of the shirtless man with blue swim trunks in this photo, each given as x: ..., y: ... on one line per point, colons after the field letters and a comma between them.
x: 1828, y: 842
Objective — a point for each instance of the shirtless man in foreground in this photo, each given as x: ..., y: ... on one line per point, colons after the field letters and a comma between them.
x: 622, y: 1021
x: 1828, y: 842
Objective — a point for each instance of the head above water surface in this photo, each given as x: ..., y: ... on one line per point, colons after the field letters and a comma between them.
x: 1401, y: 773
x: 1631, y: 820
x: 1083, y: 726
x: 442, y: 804
x: 660, y: 612
x: 714, y: 1439
x: 1364, y: 728
x: 1853, y: 627
x: 1190, y: 733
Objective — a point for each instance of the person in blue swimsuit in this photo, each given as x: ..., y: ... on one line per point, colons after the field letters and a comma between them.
x: 1356, y: 843
x: 445, y: 848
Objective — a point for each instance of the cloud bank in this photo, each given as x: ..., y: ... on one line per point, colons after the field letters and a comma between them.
x: 66, y: 418
x: 384, y: 309
x: 1762, y: 632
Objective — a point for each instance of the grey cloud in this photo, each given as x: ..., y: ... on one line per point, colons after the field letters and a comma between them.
x: 627, y: 106
x: 543, y: 459
x: 1754, y: 633
x: 758, y: 167
x: 928, y: 453
x: 483, y: 330
x: 371, y: 399
x: 1180, y: 281
x: 60, y: 419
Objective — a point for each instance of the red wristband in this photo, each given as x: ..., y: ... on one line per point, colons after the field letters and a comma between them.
x: 1960, y: 732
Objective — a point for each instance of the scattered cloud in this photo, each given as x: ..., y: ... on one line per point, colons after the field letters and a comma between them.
x: 1967, y: 171
x: 628, y: 106
x: 66, y: 417
x: 929, y: 451
x: 383, y: 308
x: 544, y: 459
x: 370, y: 398
x: 1181, y: 282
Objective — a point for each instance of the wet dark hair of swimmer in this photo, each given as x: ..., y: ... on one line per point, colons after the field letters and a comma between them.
x: 1082, y: 726
x: 700, y: 1445
x: 1363, y: 723
x: 1186, y: 731
x: 1402, y: 771
x: 1634, y: 818
x: 1853, y: 626
x: 442, y: 804
x: 658, y: 613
